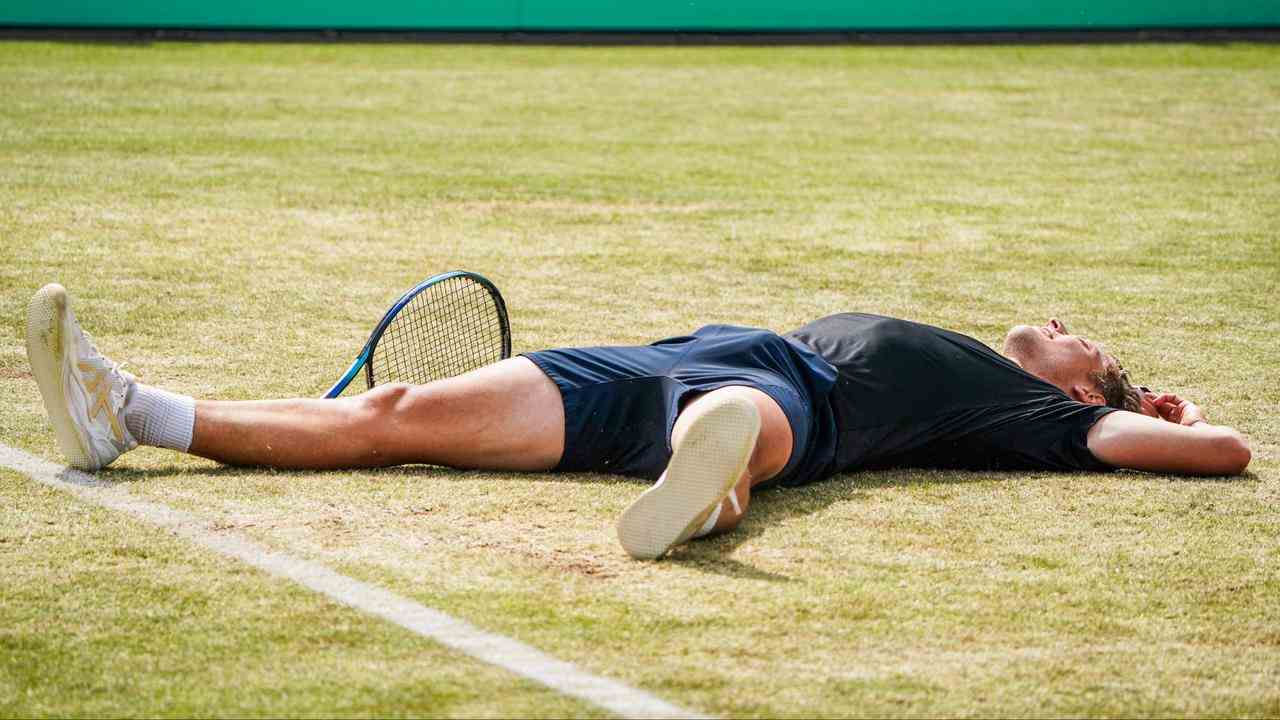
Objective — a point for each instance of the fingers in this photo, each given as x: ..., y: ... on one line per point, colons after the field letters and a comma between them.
x: 1168, y: 406
x: 1171, y: 407
x: 1148, y: 407
x: 1191, y: 413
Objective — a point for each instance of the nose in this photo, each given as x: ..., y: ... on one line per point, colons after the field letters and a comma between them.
x: 1057, y: 326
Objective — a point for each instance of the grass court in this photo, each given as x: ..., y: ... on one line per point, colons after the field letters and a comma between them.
x: 232, y: 219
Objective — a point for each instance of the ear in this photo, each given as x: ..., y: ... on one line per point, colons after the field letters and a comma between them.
x: 1087, y: 395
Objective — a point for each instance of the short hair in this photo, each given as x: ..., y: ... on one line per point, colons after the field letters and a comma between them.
x: 1113, y: 383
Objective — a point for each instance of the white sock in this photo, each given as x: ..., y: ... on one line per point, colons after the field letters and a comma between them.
x: 160, y: 418
x: 733, y: 500
x: 710, y: 524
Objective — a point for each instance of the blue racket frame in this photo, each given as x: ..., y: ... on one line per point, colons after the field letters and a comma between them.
x: 400, y: 304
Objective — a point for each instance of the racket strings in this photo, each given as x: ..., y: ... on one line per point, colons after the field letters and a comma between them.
x: 447, y: 329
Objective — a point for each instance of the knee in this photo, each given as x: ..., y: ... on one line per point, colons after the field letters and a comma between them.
x: 773, y: 445
x: 386, y: 401
x: 774, y: 442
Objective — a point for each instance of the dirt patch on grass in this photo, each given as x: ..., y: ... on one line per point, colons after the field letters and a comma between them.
x: 578, y: 565
x: 553, y: 558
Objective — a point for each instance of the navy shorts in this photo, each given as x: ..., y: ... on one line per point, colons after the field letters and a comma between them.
x: 620, y: 403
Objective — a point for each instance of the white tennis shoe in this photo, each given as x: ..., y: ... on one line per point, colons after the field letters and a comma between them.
x: 84, y: 392
x: 705, y: 465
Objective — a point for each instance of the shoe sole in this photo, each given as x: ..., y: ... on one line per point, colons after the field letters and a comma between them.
x: 46, y: 351
x: 706, y: 465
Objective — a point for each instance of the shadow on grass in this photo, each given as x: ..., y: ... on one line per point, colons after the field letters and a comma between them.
x: 424, y: 472
x: 772, y: 506
x: 775, y: 505
x: 769, y: 506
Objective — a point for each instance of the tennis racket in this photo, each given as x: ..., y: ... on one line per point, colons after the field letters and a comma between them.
x: 443, y: 326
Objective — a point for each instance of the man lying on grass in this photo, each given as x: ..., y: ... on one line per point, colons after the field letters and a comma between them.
x: 711, y: 416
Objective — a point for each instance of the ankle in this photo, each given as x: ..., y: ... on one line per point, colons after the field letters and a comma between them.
x: 710, y: 525
x: 160, y: 418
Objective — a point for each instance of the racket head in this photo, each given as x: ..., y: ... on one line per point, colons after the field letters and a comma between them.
x: 444, y: 326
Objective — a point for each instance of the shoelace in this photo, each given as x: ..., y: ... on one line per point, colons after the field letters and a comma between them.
x: 114, y: 369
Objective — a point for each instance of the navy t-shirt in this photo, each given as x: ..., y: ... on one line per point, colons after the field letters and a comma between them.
x: 914, y: 395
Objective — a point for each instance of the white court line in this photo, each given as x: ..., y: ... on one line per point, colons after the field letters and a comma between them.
x: 491, y: 648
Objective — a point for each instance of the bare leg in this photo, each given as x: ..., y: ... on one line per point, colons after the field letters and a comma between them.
x: 773, y: 449
x: 507, y: 416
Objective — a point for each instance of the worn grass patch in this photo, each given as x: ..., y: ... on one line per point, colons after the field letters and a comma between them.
x: 232, y: 218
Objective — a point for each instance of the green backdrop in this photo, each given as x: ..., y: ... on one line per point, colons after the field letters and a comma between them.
x: 619, y: 15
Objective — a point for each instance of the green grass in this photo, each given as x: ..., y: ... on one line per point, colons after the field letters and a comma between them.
x: 232, y: 218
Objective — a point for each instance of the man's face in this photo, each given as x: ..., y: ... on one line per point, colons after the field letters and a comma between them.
x: 1056, y: 356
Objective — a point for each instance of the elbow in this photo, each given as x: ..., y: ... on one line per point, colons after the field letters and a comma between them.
x: 1233, y: 453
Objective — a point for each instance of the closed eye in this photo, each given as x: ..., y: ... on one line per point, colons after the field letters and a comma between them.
x: 1091, y: 348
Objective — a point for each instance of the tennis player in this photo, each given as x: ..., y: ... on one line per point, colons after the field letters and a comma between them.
x: 710, y: 415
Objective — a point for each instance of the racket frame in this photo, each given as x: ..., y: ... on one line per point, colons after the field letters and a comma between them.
x: 367, y: 352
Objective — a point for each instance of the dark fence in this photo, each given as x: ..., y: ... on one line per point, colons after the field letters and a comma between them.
x: 643, y: 15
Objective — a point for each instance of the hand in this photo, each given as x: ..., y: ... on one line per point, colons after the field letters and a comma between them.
x: 1174, y: 409
x: 1149, y: 403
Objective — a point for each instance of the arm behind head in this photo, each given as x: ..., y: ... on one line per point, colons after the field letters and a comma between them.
x: 1136, y: 441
